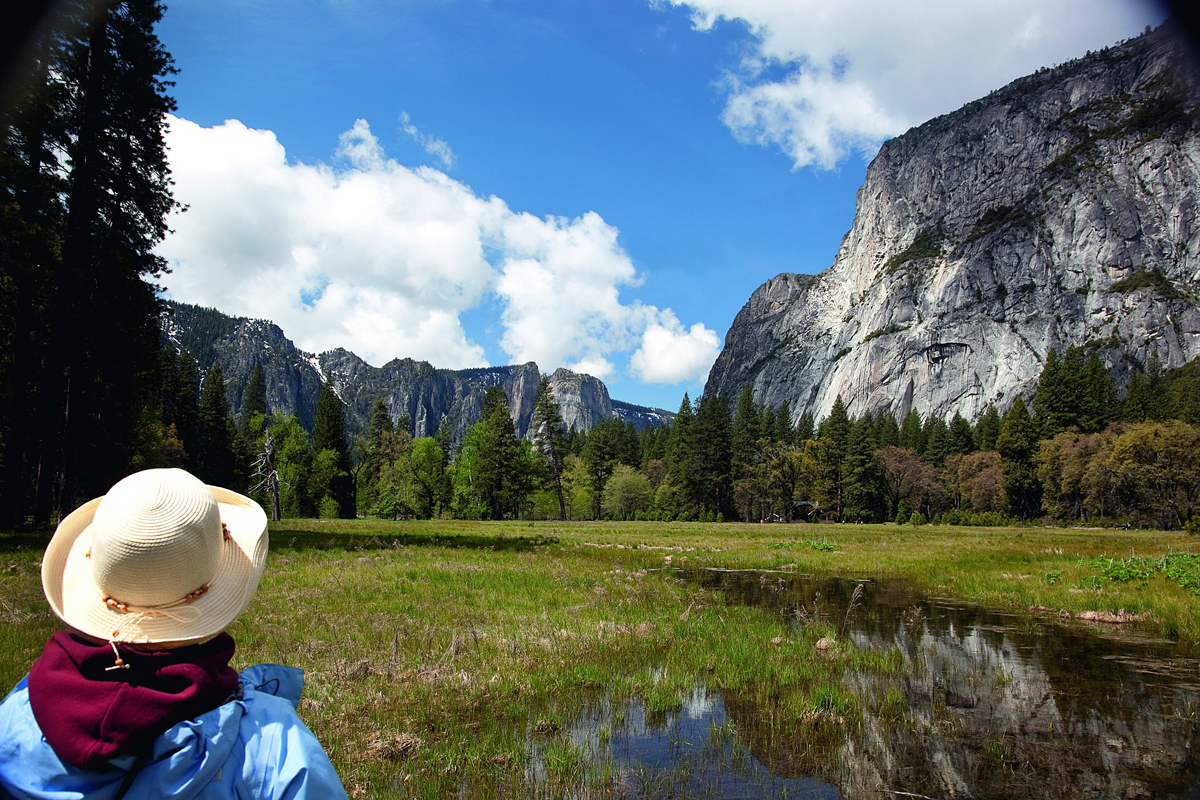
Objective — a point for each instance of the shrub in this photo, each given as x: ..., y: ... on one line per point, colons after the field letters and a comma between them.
x: 917, y: 518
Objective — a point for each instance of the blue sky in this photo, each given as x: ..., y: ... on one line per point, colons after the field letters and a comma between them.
x: 592, y: 184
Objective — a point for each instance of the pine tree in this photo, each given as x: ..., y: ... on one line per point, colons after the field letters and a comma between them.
x: 785, y: 433
x: 745, y: 433
x: 937, y: 440
x: 837, y: 426
x: 987, y: 429
x: 254, y: 396
x: 1136, y: 407
x: 1047, y: 399
x: 214, y: 458
x: 805, y: 428
x: 549, y: 438
x: 1155, y: 396
x: 87, y: 218
x: 1098, y: 398
x: 710, y: 487
x: 679, y: 444
x: 864, y: 491
x: 329, y: 433
x: 1018, y: 443
x: 887, y: 431
x: 766, y: 424
x: 962, y: 440
x: 912, y: 433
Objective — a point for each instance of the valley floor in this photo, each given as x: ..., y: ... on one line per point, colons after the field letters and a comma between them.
x: 441, y: 654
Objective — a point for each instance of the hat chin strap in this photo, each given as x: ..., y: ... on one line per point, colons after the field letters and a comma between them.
x: 179, y: 611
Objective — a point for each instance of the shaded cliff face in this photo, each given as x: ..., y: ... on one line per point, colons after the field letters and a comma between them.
x: 427, y: 395
x: 1060, y: 210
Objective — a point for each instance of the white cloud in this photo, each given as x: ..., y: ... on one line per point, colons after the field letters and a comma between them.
x: 382, y: 259
x: 825, y: 79
x: 438, y: 148
x: 671, y: 354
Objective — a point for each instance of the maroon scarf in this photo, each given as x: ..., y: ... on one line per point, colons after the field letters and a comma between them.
x: 90, y: 714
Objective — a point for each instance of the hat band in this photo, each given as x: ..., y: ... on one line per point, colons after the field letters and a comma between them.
x: 179, y: 611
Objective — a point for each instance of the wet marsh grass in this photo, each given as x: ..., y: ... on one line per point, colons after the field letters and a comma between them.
x: 441, y: 656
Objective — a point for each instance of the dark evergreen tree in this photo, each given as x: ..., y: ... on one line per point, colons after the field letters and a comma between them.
x: 679, y: 444
x: 710, y: 487
x: 1137, y: 405
x: 254, y: 396
x: 549, y: 438
x: 864, y: 492
x: 962, y: 438
x: 494, y: 396
x: 805, y: 428
x: 912, y: 432
x: 503, y: 475
x: 785, y: 432
x: 85, y: 194
x: 937, y: 440
x: 1156, y: 405
x: 1047, y: 400
x: 602, y: 452
x: 887, y: 430
x: 1018, y: 443
x: 837, y: 427
x: 746, y: 429
x: 1098, y: 397
x: 766, y: 424
x: 987, y: 429
x: 329, y: 433
x: 214, y: 454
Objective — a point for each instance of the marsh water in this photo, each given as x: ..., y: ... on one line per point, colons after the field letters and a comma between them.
x: 994, y: 705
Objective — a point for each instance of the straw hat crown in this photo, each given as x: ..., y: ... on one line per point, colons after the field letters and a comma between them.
x: 156, y: 537
x: 160, y: 559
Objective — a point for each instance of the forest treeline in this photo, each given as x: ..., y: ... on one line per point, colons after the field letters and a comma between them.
x: 1077, y: 453
x: 84, y: 198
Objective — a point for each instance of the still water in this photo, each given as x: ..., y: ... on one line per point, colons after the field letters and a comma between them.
x: 995, y: 705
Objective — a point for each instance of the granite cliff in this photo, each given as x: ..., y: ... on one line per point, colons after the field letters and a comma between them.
x: 1059, y: 210
x: 428, y: 395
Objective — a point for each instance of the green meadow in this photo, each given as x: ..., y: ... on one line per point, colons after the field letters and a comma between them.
x: 440, y: 654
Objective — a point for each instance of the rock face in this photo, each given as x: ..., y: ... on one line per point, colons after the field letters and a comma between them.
x: 427, y: 395
x: 1060, y: 210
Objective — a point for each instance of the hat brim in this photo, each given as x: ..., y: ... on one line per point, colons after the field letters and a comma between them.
x: 76, y: 599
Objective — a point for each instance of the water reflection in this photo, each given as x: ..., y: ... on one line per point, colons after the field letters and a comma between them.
x: 993, y: 705
x: 693, y: 752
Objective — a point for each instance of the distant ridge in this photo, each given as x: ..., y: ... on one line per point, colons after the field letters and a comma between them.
x: 429, y: 396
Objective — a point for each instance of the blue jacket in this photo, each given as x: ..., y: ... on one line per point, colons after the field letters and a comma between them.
x: 255, y: 748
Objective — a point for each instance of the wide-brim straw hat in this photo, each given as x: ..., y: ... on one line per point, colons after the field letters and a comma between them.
x: 161, y: 559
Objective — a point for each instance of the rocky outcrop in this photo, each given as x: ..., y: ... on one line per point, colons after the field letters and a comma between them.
x: 1060, y: 210
x: 428, y: 396
x: 641, y: 416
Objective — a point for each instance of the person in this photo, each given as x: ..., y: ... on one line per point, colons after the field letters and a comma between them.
x: 138, y: 699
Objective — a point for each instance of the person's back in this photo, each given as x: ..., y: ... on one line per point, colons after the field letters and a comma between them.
x: 139, y: 700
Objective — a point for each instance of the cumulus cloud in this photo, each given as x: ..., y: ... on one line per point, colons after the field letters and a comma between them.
x: 383, y: 259
x: 670, y: 353
x: 438, y: 148
x: 823, y: 80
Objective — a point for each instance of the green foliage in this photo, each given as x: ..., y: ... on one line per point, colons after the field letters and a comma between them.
x: 917, y: 518
x: 84, y: 200
x: 926, y: 244
x: 626, y: 493
x: 329, y: 434
x: 1004, y: 217
x: 1141, y: 279
x: 888, y: 330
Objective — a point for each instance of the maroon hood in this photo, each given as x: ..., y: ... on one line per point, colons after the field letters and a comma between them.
x: 89, y: 714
